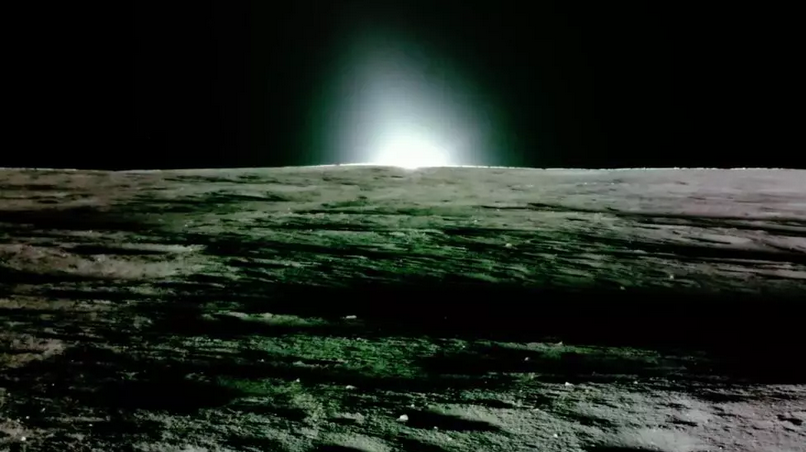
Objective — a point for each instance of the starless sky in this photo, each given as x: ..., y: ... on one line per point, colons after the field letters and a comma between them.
x: 236, y: 83
x: 516, y: 84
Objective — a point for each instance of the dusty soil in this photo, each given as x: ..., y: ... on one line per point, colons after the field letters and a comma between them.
x: 376, y: 309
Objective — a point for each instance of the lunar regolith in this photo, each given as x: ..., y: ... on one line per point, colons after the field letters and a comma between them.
x: 360, y: 308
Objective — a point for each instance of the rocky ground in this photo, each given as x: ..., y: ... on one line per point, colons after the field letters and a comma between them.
x: 376, y: 309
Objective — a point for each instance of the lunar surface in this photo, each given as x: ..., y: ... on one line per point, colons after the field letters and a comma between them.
x: 377, y: 309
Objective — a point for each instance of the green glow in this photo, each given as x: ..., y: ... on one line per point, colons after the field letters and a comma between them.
x: 389, y: 98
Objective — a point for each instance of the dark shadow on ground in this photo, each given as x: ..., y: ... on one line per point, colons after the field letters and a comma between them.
x: 428, y: 420
x: 134, y: 378
x: 11, y: 276
x: 98, y: 377
x: 555, y: 363
x: 753, y: 338
x: 73, y: 219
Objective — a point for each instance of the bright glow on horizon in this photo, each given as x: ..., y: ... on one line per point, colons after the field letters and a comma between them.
x: 411, y: 151
x: 396, y: 100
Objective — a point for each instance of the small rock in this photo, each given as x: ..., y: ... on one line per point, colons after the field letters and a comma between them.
x: 403, y: 418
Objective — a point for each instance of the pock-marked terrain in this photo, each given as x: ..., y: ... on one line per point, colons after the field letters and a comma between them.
x: 375, y: 309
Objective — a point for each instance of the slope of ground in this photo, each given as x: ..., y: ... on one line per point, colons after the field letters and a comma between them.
x: 377, y: 309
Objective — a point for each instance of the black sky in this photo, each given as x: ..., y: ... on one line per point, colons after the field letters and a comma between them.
x: 233, y: 83
x: 585, y: 86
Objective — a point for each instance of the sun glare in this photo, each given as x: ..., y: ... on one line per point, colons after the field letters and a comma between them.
x: 411, y: 152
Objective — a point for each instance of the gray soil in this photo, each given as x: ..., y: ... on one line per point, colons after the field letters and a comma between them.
x: 376, y: 309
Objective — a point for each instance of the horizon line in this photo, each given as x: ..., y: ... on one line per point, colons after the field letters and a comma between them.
x: 637, y: 168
